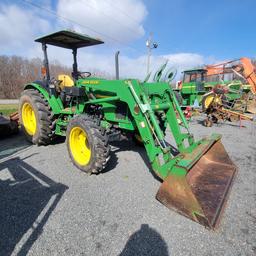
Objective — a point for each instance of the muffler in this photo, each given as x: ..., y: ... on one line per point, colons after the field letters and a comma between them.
x: 201, y: 194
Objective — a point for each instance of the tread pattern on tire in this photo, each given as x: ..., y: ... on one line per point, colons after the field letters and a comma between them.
x: 99, y: 140
x: 45, y: 131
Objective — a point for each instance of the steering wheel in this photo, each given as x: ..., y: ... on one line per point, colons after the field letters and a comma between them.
x: 55, y: 81
x: 84, y: 74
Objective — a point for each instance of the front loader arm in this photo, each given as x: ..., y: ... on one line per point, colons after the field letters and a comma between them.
x: 143, y: 104
x: 54, y: 102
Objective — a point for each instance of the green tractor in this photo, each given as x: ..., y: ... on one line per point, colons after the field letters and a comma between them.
x: 192, y: 87
x: 91, y: 112
x: 196, y: 84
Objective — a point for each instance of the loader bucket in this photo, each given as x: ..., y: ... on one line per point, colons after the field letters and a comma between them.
x: 202, y: 193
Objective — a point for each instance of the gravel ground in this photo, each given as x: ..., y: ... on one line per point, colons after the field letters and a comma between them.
x: 48, y: 207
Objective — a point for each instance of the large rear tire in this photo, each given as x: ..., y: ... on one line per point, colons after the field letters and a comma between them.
x: 87, y: 144
x: 35, y: 117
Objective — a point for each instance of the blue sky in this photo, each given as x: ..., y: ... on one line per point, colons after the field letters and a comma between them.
x: 189, y: 33
x: 222, y: 28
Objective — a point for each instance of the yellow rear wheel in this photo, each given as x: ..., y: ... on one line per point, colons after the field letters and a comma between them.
x: 36, y: 118
x: 28, y: 118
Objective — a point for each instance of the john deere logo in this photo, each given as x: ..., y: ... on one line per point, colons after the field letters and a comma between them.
x: 91, y: 82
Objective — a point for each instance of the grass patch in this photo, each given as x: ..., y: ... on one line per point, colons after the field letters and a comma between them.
x: 7, y: 109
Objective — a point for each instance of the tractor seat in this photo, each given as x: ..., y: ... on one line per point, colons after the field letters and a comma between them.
x: 65, y: 81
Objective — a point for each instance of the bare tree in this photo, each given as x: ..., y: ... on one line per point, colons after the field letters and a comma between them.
x: 16, y: 71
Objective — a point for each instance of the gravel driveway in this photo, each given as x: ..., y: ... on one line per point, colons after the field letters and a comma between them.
x: 48, y: 207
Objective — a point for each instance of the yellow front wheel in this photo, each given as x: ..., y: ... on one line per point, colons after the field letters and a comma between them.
x: 79, y: 146
x: 87, y: 145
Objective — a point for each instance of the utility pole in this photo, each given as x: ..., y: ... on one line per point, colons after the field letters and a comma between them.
x: 150, y: 45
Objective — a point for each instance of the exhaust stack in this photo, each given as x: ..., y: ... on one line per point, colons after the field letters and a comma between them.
x: 117, y: 64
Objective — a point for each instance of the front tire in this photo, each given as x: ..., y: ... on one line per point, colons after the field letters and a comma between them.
x: 87, y: 144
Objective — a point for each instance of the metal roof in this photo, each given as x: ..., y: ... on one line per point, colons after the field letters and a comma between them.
x: 69, y: 39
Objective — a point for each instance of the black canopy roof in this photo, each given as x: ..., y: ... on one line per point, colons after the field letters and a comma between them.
x: 69, y: 39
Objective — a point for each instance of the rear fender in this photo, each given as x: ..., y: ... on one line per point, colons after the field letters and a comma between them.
x: 54, y: 102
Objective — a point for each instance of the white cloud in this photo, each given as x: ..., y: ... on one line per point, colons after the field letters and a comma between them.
x: 118, y: 20
x: 122, y: 20
x: 136, y: 67
x: 185, y: 60
x: 18, y: 28
x: 129, y: 67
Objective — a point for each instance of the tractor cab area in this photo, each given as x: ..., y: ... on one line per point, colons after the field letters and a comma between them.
x: 193, y: 86
x: 194, y: 80
x: 194, y: 75
x: 68, y: 40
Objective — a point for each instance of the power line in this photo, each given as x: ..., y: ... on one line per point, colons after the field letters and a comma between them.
x: 69, y: 20
x: 124, y: 13
x: 76, y: 23
x: 66, y: 19
x: 93, y: 7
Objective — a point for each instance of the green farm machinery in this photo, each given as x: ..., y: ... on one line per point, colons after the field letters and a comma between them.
x: 239, y: 86
x: 195, y: 84
x: 91, y: 112
x: 192, y: 87
x: 224, y: 92
x: 218, y: 106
